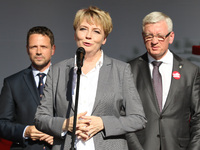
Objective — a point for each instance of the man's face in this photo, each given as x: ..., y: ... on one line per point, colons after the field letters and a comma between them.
x: 158, y: 45
x: 40, y: 51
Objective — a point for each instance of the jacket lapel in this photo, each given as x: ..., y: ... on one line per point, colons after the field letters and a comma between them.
x: 30, y: 82
x: 177, y: 66
x: 147, y: 80
x: 102, y: 81
x: 69, y: 81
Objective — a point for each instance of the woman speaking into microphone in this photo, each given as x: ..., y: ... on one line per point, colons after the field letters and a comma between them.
x: 108, y: 103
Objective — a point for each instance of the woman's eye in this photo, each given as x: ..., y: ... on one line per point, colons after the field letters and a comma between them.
x: 82, y: 29
x: 97, y: 32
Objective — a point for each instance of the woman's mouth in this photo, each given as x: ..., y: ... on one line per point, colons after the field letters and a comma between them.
x: 87, y: 44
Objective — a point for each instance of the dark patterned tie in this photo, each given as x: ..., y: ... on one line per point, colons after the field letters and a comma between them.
x: 157, y: 81
x: 41, y: 83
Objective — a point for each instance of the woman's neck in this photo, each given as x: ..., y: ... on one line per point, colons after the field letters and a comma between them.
x: 90, y: 61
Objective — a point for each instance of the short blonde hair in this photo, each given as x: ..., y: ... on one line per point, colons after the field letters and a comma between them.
x: 95, y: 14
x: 155, y: 17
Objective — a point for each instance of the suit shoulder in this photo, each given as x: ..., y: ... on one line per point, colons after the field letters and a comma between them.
x: 64, y: 63
x: 186, y: 61
x: 188, y: 64
x: 118, y: 63
x: 135, y: 61
x: 17, y: 75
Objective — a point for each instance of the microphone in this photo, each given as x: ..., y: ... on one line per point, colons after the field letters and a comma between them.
x: 80, y: 53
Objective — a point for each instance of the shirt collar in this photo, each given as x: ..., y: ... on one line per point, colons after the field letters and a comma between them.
x: 167, y: 59
x: 99, y: 62
x: 35, y: 71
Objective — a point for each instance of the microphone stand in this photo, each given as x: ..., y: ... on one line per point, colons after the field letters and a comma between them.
x: 76, y: 109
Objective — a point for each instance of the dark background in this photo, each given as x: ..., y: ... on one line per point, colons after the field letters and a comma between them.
x: 124, y: 43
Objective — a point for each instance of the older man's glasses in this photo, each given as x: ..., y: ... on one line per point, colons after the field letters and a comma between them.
x: 149, y: 37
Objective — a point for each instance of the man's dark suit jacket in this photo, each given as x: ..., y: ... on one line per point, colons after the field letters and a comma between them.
x: 18, y: 103
x: 177, y: 127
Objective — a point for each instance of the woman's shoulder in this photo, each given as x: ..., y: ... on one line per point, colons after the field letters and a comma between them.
x: 115, y: 62
x: 66, y: 62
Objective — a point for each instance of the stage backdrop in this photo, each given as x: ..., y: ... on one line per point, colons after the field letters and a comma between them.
x: 124, y: 43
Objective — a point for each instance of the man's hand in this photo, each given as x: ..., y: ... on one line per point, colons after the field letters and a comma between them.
x: 34, y: 134
x: 47, y: 138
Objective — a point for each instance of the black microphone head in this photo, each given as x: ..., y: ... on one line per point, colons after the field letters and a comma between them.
x: 80, y: 50
x: 80, y: 53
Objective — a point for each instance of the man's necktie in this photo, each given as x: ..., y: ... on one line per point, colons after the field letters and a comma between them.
x: 41, y: 83
x: 157, y: 81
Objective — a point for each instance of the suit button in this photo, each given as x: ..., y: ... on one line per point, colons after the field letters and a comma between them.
x: 161, y: 117
x: 158, y: 135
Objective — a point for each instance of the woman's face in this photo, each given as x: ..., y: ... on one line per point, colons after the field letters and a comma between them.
x: 90, y: 36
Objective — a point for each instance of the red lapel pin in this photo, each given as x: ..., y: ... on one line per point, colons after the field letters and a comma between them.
x: 176, y: 75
